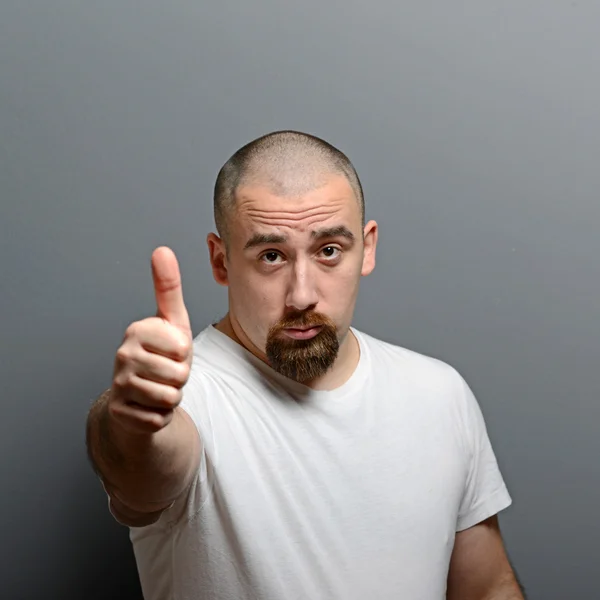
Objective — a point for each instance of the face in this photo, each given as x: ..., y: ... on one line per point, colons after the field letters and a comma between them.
x: 293, y: 273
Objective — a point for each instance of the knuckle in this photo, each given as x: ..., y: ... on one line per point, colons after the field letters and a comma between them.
x: 113, y: 408
x: 118, y: 382
x: 123, y: 354
x: 176, y: 374
x: 170, y: 396
x: 182, y: 347
x: 155, y: 422
x: 184, y: 373
x: 117, y: 410
x: 132, y: 329
x: 178, y: 341
x: 123, y: 379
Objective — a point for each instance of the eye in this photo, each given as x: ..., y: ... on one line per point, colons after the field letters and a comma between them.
x: 331, y: 252
x: 270, y: 257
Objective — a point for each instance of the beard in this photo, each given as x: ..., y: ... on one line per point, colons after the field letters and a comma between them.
x: 303, y: 360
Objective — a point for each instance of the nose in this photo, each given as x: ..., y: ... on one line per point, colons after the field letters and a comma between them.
x: 302, y: 291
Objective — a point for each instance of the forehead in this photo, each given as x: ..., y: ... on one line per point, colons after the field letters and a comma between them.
x: 259, y: 207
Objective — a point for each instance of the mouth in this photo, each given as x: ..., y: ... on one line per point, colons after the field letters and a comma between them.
x: 302, y: 333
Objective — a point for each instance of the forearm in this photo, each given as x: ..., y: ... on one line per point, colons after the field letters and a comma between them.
x: 144, y: 472
x: 508, y: 589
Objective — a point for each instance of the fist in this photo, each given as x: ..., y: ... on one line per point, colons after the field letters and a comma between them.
x: 154, y: 360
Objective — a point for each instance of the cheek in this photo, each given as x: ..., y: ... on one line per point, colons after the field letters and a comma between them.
x: 339, y: 290
x: 256, y: 297
x: 348, y: 277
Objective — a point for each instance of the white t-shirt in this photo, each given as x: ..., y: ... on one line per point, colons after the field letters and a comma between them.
x: 346, y: 494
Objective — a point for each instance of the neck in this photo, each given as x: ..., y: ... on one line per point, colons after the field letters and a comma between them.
x: 343, y: 367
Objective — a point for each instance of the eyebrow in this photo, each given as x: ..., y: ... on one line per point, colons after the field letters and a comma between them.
x: 261, y: 239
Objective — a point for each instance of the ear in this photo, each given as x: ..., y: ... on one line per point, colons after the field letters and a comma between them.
x: 370, y: 235
x: 218, y: 258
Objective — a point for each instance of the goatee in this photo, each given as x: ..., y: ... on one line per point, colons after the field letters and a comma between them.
x: 303, y: 360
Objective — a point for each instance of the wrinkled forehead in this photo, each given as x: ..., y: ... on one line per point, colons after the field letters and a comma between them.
x: 332, y: 202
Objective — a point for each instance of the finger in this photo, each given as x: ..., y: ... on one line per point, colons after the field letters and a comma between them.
x: 161, y: 369
x: 157, y: 336
x: 168, y: 289
x: 140, y: 419
x: 151, y: 395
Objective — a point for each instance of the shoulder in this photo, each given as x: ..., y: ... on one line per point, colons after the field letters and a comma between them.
x: 419, y: 368
x: 219, y: 366
x: 206, y: 345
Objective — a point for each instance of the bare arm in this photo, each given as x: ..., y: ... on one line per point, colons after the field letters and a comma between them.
x: 142, y: 473
x: 479, y: 567
x: 144, y: 447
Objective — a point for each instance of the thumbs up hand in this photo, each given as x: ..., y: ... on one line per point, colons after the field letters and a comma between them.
x: 168, y: 291
x: 154, y: 360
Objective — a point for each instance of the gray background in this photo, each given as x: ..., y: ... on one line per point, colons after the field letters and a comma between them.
x: 475, y: 128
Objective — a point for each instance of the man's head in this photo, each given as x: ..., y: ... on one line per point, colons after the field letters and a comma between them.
x: 289, y: 211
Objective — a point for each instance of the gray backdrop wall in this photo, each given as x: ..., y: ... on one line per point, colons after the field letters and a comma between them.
x: 475, y: 127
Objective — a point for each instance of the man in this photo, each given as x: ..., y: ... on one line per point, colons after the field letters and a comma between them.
x: 281, y: 453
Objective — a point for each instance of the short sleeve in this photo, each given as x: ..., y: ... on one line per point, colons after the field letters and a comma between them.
x: 485, y: 492
x: 198, y: 393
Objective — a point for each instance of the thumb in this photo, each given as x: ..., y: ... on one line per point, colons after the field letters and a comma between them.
x: 168, y: 290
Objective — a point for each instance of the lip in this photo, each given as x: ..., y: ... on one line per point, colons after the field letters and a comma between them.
x: 302, y: 334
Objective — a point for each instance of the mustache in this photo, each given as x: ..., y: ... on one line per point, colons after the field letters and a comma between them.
x: 302, y: 321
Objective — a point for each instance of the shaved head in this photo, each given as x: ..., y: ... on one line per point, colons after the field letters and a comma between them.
x: 289, y: 163
x: 292, y: 247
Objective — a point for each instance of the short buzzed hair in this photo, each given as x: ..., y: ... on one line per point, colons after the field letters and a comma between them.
x: 291, y: 163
